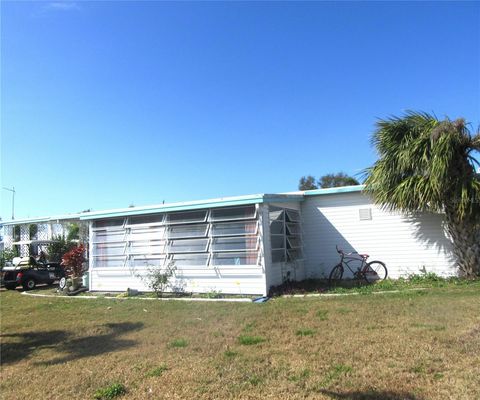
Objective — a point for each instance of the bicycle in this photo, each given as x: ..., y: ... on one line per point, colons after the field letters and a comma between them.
x: 369, y: 271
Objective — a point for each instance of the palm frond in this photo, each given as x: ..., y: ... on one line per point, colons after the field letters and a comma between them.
x: 424, y: 164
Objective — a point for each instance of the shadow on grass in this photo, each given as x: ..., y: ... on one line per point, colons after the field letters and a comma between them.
x: 370, y: 395
x: 70, y: 347
x: 315, y: 286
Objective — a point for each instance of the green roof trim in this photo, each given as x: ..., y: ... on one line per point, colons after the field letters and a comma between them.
x: 193, y: 205
x: 335, y: 190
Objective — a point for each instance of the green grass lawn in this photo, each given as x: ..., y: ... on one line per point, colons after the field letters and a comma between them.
x: 408, y: 345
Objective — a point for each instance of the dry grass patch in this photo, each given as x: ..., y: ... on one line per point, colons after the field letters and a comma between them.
x: 411, y: 345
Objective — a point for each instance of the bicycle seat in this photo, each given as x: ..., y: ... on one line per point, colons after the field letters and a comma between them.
x: 365, y: 256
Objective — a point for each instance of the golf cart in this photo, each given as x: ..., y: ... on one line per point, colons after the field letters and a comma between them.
x: 29, y: 271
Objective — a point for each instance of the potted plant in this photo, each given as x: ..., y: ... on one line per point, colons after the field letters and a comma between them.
x: 72, y: 262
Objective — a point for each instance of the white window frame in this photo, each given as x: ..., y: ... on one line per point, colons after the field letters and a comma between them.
x: 254, y: 217
x: 234, y: 234
x: 186, y: 222
x: 173, y: 251
x: 257, y: 245
x: 145, y: 224
x: 215, y: 256
x: 205, y: 234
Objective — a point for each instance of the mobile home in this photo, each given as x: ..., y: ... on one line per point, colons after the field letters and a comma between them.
x: 247, y: 244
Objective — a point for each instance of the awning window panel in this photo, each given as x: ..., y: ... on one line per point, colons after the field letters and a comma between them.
x: 292, y: 216
x: 277, y: 241
x: 294, y: 242
x: 188, y: 246
x: 109, y: 262
x: 233, y: 213
x: 109, y: 223
x: 107, y: 236
x: 187, y: 217
x: 108, y: 249
x: 150, y: 247
x: 146, y: 220
x: 276, y: 213
x: 147, y: 234
x: 234, y: 228
x: 187, y: 231
x: 277, y: 228
x: 250, y: 258
x: 199, y: 259
x: 278, y: 256
x: 293, y: 228
x: 234, y: 244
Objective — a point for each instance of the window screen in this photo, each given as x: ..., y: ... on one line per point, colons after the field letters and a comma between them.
x: 233, y: 213
x: 249, y: 258
x: 190, y: 259
x: 106, y: 223
x: 153, y: 219
x: 234, y: 244
x: 188, y: 246
x: 187, y: 231
x: 187, y: 217
x: 285, y: 234
x: 218, y: 236
x: 234, y: 228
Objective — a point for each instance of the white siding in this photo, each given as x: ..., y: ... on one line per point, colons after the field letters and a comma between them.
x: 405, y: 245
x: 228, y: 279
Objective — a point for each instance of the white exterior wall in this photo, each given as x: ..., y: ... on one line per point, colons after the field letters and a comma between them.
x: 225, y: 279
x: 405, y: 245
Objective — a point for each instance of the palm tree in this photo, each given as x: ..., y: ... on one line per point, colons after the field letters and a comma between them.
x: 427, y: 165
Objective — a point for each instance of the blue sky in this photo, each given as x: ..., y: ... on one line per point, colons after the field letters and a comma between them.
x: 105, y: 104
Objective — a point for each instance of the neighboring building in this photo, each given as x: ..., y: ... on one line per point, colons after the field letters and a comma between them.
x: 31, y: 234
x: 249, y: 243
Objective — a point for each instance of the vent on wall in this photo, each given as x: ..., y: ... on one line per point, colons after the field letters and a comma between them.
x: 365, y: 214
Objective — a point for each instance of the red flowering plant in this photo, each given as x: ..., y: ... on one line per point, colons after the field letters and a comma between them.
x: 73, y: 260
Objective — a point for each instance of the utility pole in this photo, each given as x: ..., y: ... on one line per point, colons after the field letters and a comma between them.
x: 13, y: 200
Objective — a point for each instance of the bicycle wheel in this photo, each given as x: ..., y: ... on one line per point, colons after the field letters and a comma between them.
x: 336, y: 275
x: 375, y: 271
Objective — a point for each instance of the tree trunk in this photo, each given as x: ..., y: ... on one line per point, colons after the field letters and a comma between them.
x: 465, y: 235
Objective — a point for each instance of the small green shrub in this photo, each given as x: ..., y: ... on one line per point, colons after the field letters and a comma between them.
x: 247, y: 340
x: 305, y: 374
x: 73, y: 232
x: 334, y: 373
x: 249, y: 327
x: 438, y: 375
x: 179, y: 343
x: 214, y: 294
x: 110, y: 392
x: 425, y: 277
x: 255, y: 380
x: 58, y: 247
x: 230, y: 353
x: 305, y: 332
x: 158, y: 279
x: 6, y: 256
x: 418, y: 369
x: 157, y: 371
x: 322, y: 315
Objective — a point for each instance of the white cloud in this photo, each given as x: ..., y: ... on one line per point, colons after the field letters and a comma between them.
x: 63, y: 5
